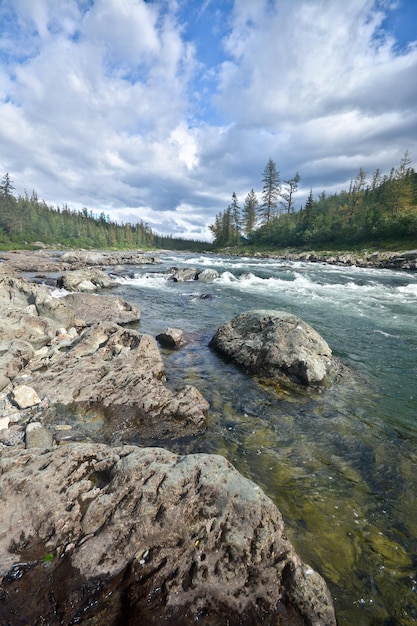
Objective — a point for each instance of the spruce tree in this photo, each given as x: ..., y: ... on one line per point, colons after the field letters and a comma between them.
x: 270, y: 192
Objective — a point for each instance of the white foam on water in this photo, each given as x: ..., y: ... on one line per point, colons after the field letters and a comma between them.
x: 147, y: 281
x: 59, y: 293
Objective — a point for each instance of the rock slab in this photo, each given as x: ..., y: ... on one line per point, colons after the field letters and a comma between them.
x: 135, y: 536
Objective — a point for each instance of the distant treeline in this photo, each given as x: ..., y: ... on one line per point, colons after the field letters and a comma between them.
x: 27, y: 219
x: 376, y: 209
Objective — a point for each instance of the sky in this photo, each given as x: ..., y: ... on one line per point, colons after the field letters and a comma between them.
x: 159, y: 110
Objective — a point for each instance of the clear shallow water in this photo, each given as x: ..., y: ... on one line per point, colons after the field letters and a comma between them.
x: 340, y: 465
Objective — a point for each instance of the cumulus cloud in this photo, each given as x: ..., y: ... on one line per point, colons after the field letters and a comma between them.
x: 124, y: 106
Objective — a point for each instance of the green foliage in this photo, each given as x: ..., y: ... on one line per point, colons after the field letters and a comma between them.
x: 26, y: 219
x: 369, y: 213
x: 249, y: 213
x: 226, y: 229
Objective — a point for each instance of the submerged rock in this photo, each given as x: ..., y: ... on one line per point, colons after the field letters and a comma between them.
x: 143, y: 536
x: 276, y: 344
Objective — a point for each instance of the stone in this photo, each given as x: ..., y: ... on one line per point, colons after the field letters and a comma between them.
x: 207, y: 275
x: 182, y: 275
x: 86, y: 257
x: 118, y: 373
x: 25, y: 396
x: 104, y: 308
x: 276, y: 345
x: 12, y: 436
x: 37, y: 436
x: 170, y: 338
x: 85, y: 280
x: 144, y: 536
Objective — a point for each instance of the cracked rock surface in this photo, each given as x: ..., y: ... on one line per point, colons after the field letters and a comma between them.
x: 140, y: 536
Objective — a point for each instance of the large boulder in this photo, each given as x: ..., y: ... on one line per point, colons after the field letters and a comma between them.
x: 277, y: 345
x: 118, y: 373
x: 88, y: 280
x: 98, y: 535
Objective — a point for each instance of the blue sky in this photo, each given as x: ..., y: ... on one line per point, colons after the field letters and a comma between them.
x: 160, y: 110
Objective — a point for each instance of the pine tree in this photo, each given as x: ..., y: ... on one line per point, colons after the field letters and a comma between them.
x: 270, y: 192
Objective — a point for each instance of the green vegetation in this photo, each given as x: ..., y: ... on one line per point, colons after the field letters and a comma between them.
x: 376, y: 212
x: 25, y: 220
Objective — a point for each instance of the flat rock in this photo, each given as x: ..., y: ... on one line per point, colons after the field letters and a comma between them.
x: 275, y: 344
x: 104, y: 308
x: 119, y: 374
x: 135, y: 536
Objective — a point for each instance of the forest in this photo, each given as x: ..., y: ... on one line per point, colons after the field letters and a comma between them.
x: 26, y: 219
x: 375, y: 211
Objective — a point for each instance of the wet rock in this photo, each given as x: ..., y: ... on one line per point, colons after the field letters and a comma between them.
x: 275, y: 344
x: 85, y: 280
x: 207, y: 275
x: 183, y: 274
x: 143, y: 536
x: 170, y: 338
x: 25, y: 396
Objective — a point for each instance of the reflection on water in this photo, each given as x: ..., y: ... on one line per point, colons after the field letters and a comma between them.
x: 340, y: 465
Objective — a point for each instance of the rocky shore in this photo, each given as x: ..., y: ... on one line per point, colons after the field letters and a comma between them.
x: 94, y: 533
x: 406, y: 260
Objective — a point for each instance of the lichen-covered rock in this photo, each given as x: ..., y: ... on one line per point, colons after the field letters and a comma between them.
x: 275, y: 344
x: 142, y: 536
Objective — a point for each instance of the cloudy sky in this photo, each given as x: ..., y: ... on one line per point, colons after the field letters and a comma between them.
x: 159, y: 110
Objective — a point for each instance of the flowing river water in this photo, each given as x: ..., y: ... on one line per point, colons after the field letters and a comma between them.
x: 341, y: 464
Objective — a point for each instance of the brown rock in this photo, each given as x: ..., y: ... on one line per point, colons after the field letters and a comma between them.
x: 143, y: 536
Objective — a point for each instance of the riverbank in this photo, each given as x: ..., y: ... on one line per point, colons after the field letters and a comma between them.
x: 122, y: 533
x: 405, y: 260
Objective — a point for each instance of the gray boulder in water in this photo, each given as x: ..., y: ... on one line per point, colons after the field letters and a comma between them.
x: 275, y: 344
x: 98, y: 535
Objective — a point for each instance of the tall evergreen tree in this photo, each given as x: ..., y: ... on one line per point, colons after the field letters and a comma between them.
x: 235, y: 219
x: 307, y: 214
x: 249, y: 213
x: 6, y: 187
x: 270, y: 193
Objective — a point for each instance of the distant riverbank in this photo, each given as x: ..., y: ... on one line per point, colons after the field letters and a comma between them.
x: 404, y: 260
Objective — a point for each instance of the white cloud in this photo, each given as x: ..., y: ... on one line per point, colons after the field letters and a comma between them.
x: 98, y: 104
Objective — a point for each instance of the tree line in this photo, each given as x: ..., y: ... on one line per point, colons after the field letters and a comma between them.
x: 26, y: 219
x: 374, y: 209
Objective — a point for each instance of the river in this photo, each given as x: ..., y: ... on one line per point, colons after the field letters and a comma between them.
x: 341, y: 464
